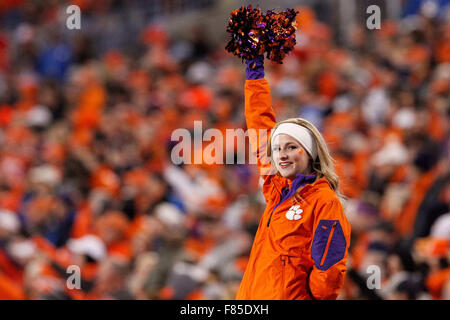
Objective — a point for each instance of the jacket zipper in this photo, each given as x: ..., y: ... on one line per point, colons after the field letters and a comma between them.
x: 270, y: 217
x: 276, y: 206
x: 283, y: 262
x: 330, y: 236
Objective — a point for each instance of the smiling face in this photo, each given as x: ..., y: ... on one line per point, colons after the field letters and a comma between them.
x: 289, y: 156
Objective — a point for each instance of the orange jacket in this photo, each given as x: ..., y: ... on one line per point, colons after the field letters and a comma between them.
x: 300, y: 248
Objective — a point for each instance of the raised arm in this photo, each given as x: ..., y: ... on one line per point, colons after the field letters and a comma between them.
x: 259, y: 116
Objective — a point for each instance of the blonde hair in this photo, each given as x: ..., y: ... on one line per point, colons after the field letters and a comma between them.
x: 323, y: 165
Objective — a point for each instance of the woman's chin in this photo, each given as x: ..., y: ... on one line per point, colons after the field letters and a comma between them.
x: 289, y: 174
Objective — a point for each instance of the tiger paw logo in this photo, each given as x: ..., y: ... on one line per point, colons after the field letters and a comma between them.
x: 294, y: 213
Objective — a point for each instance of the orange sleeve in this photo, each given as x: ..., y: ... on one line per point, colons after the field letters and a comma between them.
x: 260, y: 119
x: 329, y: 251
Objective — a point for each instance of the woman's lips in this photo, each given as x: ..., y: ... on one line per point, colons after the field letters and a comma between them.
x: 284, y: 165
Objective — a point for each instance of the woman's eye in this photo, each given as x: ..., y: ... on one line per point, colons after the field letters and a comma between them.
x: 292, y: 147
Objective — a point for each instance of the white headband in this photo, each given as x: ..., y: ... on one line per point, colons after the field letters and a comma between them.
x: 299, y: 133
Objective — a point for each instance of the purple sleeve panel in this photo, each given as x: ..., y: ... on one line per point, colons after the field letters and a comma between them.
x: 255, y: 68
x: 325, y: 236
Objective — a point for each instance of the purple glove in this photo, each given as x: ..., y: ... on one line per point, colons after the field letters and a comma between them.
x: 255, y: 68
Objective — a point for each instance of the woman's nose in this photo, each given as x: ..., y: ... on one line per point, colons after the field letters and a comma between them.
x: 283, y: 154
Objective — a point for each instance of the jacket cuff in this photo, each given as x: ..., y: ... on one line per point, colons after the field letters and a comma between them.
x: 255, y: 68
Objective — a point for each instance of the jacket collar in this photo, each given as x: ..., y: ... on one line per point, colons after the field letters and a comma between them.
x: 313, y: 187
x: 299, y: 181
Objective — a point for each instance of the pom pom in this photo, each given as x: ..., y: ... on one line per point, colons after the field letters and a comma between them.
x: 280, y: 34
x: 254, y: 33
x: 246, y: 26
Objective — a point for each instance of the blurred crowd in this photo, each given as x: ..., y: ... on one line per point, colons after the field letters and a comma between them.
x: 87, y: 178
